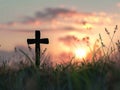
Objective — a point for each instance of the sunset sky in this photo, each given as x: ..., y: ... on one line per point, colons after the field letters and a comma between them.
x: 68, y: 24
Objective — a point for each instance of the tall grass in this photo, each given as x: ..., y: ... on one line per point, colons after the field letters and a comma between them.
x: 100, y: 74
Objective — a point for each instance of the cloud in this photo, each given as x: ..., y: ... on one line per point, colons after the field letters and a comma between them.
x: 118, y: 4
x: 60, y: 19
x: 69, y: 40
x: 53, y: 12
x: 72, y: 41
x: 66, y: 14
x: 50, y: 15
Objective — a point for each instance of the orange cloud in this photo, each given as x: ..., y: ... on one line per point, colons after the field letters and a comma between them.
x: 61, y: 19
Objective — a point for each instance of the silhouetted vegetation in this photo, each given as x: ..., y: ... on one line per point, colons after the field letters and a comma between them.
x: 101, y: 73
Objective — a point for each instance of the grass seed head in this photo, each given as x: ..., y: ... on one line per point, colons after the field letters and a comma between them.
x: 107, y: 31
x: 116, y: 28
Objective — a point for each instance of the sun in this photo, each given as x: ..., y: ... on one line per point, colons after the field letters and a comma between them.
x: 80, y: 53
x: 88, y: 26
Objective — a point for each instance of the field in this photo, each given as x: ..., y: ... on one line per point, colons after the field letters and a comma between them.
x: 100, y: 73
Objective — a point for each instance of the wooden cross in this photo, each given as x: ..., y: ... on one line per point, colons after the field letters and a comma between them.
x: 37, y: 41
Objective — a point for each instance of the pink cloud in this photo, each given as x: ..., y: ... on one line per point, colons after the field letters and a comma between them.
x: 72, y: 41
x: 69, y: 40
x: 64, y: 15
x: 61, y: 19
x: 118, y: 4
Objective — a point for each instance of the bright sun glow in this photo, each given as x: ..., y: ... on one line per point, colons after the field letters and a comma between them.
x: 87, y: 26
x: 80, y: 53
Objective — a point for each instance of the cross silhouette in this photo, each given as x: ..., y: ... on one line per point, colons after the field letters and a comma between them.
x: 37, y: 41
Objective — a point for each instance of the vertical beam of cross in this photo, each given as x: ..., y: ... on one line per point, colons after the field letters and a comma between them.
x: 37, y: 41
x: 37, y: 47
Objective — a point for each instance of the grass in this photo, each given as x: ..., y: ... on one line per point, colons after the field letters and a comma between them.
x: 101, y: 73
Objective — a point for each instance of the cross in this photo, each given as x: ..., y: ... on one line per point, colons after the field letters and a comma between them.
x: 37, y: 42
